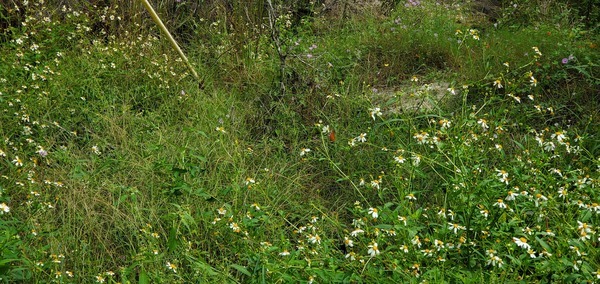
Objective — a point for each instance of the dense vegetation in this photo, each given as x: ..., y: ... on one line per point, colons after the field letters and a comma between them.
x: 329, y: 141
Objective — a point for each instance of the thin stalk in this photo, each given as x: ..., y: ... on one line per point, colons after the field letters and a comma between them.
x: 174, y: 44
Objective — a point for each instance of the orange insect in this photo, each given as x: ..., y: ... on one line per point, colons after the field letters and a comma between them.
x: 332, y: 136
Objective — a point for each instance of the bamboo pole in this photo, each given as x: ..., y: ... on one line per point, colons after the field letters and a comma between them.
x: 171, y: 39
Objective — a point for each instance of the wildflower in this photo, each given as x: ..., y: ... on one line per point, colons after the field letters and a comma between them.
x: 559, y: 136
x: 351, y: 255
x: 484, y: 212
x: 444, y: 123
x: 373, y: 249
x: 498, y: 84
x: 362, y: 137
x: 2, y: 154
x: 235, y: 227
x: 503, y: 176
x: 249, y: 181
x: 506, y: 64
x: 172, y: 267
x: 374, y: 212
x: 96, y: 150
x: 483, y: 124
x: 4, y: 208
x: 565, y: 60
x: 414, y: 79
x: 438, y: 244
x: 511, y: 196
x: 221, y: 129
x: 222, y: 211
x: 404, y: 248
x: 376, y: 183
x: 348, y: 242
x: 500, y: 204
x: 399, y: 159
x: 402, y: 219
x: 416, y: 241
x: 427, y: 252
x: 495, y: 261
x: 537, y: 51
x: 584, y: 236
x: 416, y: 159
x: 521, y: 242
x: 533, y: 81
x: 411, y: 196
x: 304, y: 151
x: 455, y: 227
x: 375, y: 112
x: 284, y: 253
x: 17, y: 161
x: 597, y: 273
x: 422, y: 137
x: 356, y: 232
x: 69, y: 273
x: 99, y: 279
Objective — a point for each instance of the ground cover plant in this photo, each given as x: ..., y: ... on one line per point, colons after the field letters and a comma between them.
x: 406, y: 141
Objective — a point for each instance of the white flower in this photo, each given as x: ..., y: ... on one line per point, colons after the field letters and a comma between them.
x: 399, y: 159
x: 356, y: 232
x: 374, y: 212
x: 521, y: 242
x: 304, y: 151
x: 454, y: 227
x: 172, y: 267
x: 348, y: 242
x: 376, y: 111
x: 362, y: 137
x: 500, y: 204
x: 495, y: 261
x: 4, y: 208
x: 284, y: 253
x: 373, y: 249
x: 17, y: 161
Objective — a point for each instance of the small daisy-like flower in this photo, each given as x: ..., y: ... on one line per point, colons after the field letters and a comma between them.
x: 498, y: 84
x: 404, y: 248
x: 362, y: 138
x: 444, y: 123
x: 100, y: 279
x: 69, y: 273
x: 521, y: 242
x: 373, y: 249
x: 533, y: 81
x: 284, y: 253
x: 96, y: 150
x: 531, y: 253
x: 376, y: 184
x: 454, y: 227
x: 17, y: 161
x: 356, y: 232
x: 483, y: 123
x: 348, y: 242
x: 351, y: 256
x: 4, y: 208
x: 500, y: 204
x: 537, y: 51
x: 222, y: 211
x: 495, y: 261
x: 416, y: 241
x: 235, y: 227
x: 172, y: 267
x: 511, y: 196
x: 410, y: 196
x: 376, y: 111
x: 374, y: 212
x: 221, y: 129
x: 414, y: 79
x: 249, y: 181
x: 506, y: 64
x: 402, y: 219
x: 399, y: 159
x: 304, y: 151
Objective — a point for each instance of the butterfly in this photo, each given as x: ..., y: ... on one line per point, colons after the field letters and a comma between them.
x: 332, y: 136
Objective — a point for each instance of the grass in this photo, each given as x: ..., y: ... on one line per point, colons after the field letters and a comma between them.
x: 116, y: 168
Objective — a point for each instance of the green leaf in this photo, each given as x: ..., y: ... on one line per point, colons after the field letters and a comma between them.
x: 241, y: 269
x: 144, y: 279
